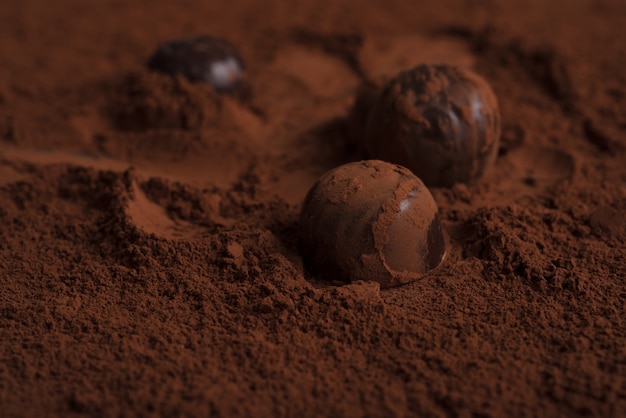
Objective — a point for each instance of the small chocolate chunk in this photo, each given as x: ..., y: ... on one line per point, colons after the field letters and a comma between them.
x: 370, y: 220
x: 440, y: 121
x: 203, y: 59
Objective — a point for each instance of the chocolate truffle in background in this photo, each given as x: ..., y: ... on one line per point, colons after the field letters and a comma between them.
x: 370, y: 220
x: 203, y: 59
x: 440, y: 121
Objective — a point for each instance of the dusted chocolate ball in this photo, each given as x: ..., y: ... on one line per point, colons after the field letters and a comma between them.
x: 440, y: 121
x: 203, y: 59
x: 370, y: 220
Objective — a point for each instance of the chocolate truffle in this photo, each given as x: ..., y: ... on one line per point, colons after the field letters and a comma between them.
x: 203, y: 59
x: 370, y: 220
x: 440, y: 121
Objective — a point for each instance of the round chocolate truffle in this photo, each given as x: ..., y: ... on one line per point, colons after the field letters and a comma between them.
x: 203, y: 59
x: 370, y: 220
x: 440, y: 121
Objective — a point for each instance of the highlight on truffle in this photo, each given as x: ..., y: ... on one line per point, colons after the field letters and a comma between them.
x: 440, y: 121
x: 370, y: 220
x: 203, y: 59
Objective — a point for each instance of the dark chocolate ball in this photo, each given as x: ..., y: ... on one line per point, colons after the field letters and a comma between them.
x: 203, y: 59
x: 440, y: 121
x: 370, y: 220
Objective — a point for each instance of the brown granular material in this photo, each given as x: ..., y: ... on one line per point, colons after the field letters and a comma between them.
x: 148, y: 261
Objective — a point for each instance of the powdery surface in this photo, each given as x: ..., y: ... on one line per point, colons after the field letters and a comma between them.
x: 370, y: 219
x: 147, y: 240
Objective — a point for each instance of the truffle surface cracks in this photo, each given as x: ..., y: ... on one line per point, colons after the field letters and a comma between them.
x: 370, y: 220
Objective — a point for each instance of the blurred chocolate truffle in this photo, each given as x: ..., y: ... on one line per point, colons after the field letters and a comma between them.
x: 440, y: 121
x: 370, y: 220
x: 203, y: 59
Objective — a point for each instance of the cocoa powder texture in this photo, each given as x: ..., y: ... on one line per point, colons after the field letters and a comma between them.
x: 148, y: 225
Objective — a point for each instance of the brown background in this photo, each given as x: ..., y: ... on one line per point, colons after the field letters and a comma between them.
x: 147, y: 225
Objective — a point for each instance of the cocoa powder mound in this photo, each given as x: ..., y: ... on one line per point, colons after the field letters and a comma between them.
x: 148, y: 238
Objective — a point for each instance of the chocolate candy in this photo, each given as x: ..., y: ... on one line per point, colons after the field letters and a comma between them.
x: 440, y: 121
x: 203, y: 59
x: 370, y: 220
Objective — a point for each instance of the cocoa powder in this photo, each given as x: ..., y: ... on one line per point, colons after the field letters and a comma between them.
x: 148, y: 257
